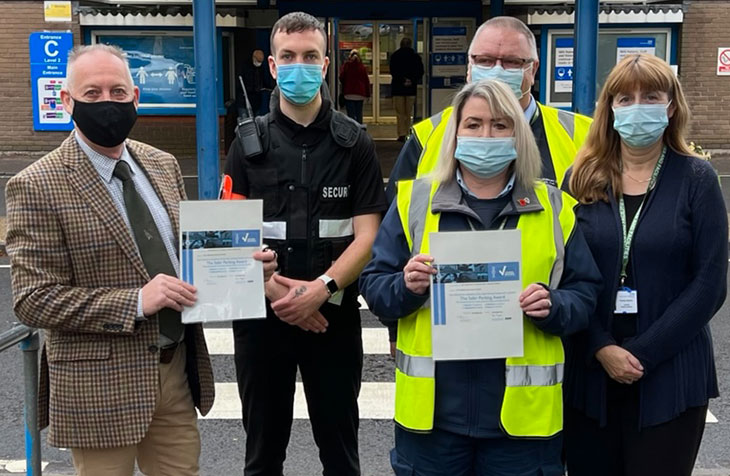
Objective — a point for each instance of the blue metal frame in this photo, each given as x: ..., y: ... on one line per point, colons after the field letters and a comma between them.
x: 207, y: 91
x: 496, y: 8
x: 377, y: 10
x: 585, y: 56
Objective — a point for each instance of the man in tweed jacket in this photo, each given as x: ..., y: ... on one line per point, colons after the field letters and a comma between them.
x: 77, y: 272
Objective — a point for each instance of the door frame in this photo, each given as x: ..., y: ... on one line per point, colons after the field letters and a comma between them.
x: 376, y: 78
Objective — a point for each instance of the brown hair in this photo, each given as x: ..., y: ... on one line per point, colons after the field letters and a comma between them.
x: 296, y: 22
x: 598, y: 163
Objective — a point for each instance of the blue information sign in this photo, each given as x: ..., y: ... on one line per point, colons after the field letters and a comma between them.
x: 449, y: 58
x: 563, y: 62
x: 48, y: 57
x: 563, y: 73
x: 449, y: 31
x: 162, y: 66
x: 636, y: 43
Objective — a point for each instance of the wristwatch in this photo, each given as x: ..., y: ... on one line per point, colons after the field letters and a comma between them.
x: 329, y: 284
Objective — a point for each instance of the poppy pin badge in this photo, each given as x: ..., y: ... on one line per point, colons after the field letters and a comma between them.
x: 524, y: 201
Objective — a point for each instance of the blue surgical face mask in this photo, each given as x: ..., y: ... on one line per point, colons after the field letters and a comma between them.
x: 485, y: 157
x: 299, y: 82
x: 511, y: 77
x: 641, y: 125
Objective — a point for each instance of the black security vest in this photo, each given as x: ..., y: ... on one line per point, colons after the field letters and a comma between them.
x: 307, y: 194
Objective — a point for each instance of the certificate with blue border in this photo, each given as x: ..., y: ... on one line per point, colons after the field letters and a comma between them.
x: 475, y: 311
x: 217, y: 243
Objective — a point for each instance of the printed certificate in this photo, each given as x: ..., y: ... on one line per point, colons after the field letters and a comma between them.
x: 475, y: 310
x: 217, y: 243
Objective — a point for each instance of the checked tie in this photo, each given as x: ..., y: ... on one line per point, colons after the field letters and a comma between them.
x: 150, y: 244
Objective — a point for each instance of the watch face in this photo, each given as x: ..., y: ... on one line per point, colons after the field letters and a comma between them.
x: 332, y: 286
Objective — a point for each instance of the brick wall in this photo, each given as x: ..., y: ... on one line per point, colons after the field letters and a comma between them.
x: 173, y: 134
x: 705, y: 29
x: 17, y: 21
x: 19, y: 144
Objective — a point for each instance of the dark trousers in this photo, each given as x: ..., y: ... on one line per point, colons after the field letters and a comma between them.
x: 267, y: 354
x: 622, y: 449
x: 442, y: 453
x: 354, y: 109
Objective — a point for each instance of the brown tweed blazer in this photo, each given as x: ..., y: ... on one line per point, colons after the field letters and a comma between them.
x: 76, y: 273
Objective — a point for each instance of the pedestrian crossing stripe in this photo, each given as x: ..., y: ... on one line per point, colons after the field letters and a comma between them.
x: 376, y: 402
x: 374, y: 341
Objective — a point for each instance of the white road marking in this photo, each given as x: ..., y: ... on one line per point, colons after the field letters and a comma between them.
x: 376, y: 402
x: 374, y: 341
x: 17, y: 465
x: 5, y: 266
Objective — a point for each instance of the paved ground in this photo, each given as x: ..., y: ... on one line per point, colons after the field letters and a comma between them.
x: 223, y: 437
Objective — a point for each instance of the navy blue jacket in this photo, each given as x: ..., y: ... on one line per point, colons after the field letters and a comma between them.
x: 462, y: 387
x: 679, y: 261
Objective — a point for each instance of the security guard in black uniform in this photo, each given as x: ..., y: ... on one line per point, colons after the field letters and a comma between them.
x: 323, y: 198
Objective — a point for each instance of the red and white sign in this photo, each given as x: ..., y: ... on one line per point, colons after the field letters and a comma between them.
x: 723, y: 61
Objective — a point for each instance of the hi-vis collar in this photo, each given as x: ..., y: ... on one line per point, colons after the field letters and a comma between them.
x: 449, y: 198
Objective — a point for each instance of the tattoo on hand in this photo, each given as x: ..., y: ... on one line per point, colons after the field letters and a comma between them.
x: 301, y: 290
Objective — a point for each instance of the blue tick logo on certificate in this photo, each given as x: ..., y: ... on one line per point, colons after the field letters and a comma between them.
x: 627, y: 301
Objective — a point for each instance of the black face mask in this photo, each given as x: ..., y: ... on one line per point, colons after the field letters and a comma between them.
x: 106, y: 123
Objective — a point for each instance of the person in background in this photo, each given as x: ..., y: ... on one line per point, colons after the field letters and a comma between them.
x: 493, y: 416
x: 259, y: 83
x: 355, y: 85
x: 639, y: 379
x: 406, y: 71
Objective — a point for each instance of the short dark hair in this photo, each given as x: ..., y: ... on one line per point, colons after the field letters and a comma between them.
x: 296, y: 22
x: 405, y: 42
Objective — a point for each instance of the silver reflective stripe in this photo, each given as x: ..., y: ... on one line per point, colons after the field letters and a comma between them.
x: 274, y: 230
x: 420, y: 196
x: 556, y: 200
x: 534, y: 375
x: 436, y: 120
x: 414, y: 366
x: 567, y: 120
x: 335, y: 228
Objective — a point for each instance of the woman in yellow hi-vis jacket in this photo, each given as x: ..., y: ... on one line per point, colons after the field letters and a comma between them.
x: 493, y: 416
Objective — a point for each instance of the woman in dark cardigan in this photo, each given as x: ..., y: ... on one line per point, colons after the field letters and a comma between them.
x: 639, y: 380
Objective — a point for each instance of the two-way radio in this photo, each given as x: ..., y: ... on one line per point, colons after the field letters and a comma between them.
x: 247, y: 130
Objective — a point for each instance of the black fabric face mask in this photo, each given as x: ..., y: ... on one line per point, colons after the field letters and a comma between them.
x: 106, y: 123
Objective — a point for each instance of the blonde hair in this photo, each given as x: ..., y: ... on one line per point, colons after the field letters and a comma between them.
x: 78, y: 51
x: 598, y: 163
x: 502, y: 103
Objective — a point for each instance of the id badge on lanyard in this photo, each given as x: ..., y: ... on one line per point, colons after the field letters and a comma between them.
x: 627, y: 299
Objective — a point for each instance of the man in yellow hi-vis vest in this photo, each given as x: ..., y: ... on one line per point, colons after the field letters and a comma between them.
x: 503, y: 48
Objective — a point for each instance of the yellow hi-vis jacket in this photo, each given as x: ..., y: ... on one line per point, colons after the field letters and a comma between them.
x: 564, y: 131
x: 533, y: 399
